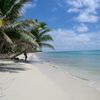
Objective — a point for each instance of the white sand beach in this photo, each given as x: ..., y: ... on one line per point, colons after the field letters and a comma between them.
x: 42, y: 81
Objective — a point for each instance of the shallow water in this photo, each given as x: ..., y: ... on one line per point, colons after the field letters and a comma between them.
x: 82, y: 64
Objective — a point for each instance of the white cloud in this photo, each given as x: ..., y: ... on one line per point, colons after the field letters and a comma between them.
x: 73, y: 10
x: 87, y: 9
x: 79, y: 38
x: 70, y: 40
x: 81, y: 28
x: 29, y: 5
x: 59, y: 3
x: 86, y: 17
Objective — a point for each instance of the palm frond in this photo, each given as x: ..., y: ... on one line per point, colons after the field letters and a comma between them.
x: 42, y: 25
x: 12, y: 33
x: 46, y: 38
x: 15, y: 11
x: 1, y: 22
x: 10, y: 9
x: 5, y: 6
x: 32, y: 23
x: 46, y: 45
x: 41, y: 35
x: 45, y: 31
x: 6, y: 38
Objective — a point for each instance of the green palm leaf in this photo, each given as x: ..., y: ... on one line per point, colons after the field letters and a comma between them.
x: 45, y: 31
x: 46, y: 38
x: 6, y: 38
x: 11, y: 8
x: 42, y: 36
x: 46, y: 45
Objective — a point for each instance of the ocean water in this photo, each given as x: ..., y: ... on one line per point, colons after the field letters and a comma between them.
x: 81, y: 64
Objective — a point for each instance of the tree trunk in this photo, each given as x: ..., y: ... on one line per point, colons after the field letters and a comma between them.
x: 1, y: 46
x: 6, y: 38
x: 25, y: 54
x: 17, y: 54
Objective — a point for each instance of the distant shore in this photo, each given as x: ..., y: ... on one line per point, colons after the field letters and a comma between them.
x: 41, y: 81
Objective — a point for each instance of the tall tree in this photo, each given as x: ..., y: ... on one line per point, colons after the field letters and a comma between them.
x: 9, y: 13
x: 13, y: 33
x: 41, y: 35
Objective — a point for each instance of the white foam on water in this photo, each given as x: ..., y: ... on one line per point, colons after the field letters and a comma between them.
x: 95, y: 85
x: 34, y: 57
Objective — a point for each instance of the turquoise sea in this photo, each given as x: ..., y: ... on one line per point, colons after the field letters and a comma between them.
x: 82, y: 64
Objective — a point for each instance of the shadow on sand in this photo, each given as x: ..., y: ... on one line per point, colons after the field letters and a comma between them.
x: 11, y: 68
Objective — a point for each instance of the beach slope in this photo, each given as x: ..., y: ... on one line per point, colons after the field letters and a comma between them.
x: 42, y: 81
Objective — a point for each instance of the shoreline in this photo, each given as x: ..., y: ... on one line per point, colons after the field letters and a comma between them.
x: 90, y: 82
x: 44, y: 81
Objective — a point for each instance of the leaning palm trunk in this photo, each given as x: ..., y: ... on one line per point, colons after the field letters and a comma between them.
x: 23, y: 47
x: 1, y: 46
x: 9, y: 12
x: 16, y: 54
x: 6, y: 38
x: 6, y: 42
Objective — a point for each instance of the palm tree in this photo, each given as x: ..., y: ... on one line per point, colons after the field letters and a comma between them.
x: 9, y: 13
x: 23, y: 39
x: 12, y: 33
x: 41, y: 35
x: 18, y: 37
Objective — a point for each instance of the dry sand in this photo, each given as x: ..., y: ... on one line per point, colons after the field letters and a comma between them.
x: 43, y: 81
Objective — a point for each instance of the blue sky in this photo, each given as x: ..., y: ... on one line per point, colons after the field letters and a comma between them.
x: 75, y: 24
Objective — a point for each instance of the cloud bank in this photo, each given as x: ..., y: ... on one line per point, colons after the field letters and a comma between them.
x: 71, y: 40
x: 86, y: 9
x: 80, y: 36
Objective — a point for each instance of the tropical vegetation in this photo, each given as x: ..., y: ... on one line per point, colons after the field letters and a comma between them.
x: 41, y: 35
x: 20, y: 36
